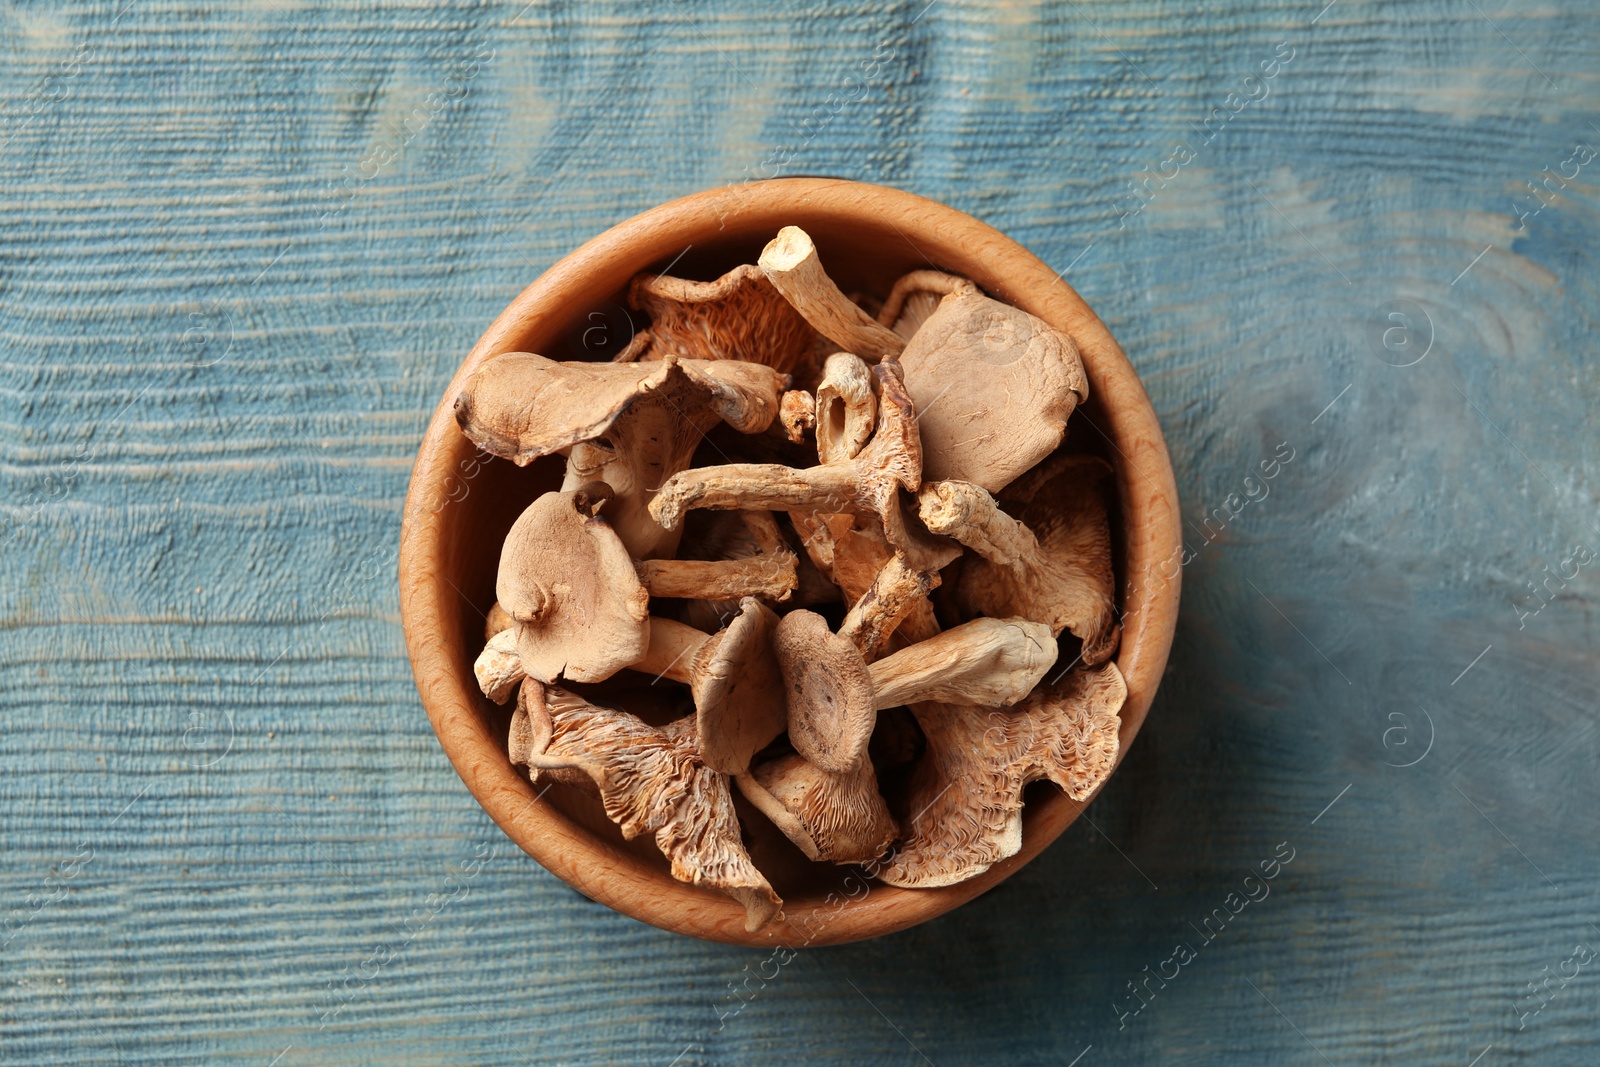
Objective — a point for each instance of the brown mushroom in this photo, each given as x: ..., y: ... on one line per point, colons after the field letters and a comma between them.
x: 631, y: 425
x: 867, y: 484
x: 498, y: 668
x: 993, y: 387
x: 1052, y: 564
x: 846, y: 408
x: 770, y: 571
x: 654, y: 780
x: 569, y: 584
x: 825, y: 798
x: 791, y: 263
x: 797, y: 411
x: 739, y: 316
x: 734, y: 677
x: 916, y: 296
x: 966, y: 794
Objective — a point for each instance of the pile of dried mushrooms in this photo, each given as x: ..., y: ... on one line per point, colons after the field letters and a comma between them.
x: 850, y: 465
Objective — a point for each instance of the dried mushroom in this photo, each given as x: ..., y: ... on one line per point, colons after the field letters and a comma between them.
x: 1052, y: 564
x: 934, y: 425
x: 993, y: 386
x: 733, y: 676
x: 791, y: 263
x: 966, y: 795
x: 769, y: 571
x: 738, y: 316
x: 869, y: 483
x: 568, y: 583
x: 654, y: 781
x: 631, y: 425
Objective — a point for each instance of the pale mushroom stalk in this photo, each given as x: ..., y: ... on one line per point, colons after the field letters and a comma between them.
x: 984, y: 663
x: 772, y: 572
x: 734, y: 678
x: 1052, y: 564
x: 791, y: 263
x: 655, y: 781
x: 498, y: 667
x: 797, y: 411
x: 966, y: 794
x: 869, y: 483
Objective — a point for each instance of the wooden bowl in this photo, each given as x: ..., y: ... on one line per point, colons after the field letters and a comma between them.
x: 461, y: 504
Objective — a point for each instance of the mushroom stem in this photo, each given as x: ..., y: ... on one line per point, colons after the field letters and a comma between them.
x: 845, y: 408
x: 867, y: 484
x: 498, y: 667
x: 986, y: 663
x: 790, y: 261
x: 671, y: 651
x: 899, y: 592
x: 721, y: 579
x: 755, y: 486
x: 797, y: 411
x: 969, y: 514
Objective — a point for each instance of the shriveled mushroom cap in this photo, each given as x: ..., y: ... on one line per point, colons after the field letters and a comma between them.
x: 829, y: 692
x: 993, y: 387
x: 1068, y: 583
x: 966, y: 794
x: 570, y: 585
x: 522, y: 406
x: 654, y: 781
x: 738, y: 690
x: 738, y: 316
x: 837, y: 817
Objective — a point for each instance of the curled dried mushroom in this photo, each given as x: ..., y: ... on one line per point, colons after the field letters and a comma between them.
x: 934, y: 425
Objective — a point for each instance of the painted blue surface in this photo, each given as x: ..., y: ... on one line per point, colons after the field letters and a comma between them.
x: 243, y: 248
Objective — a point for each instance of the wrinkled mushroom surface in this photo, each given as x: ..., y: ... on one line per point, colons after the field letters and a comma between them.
x: 654, y: 781
x: 1051, y: 564
x: 966, y: 793
x: 569, y: 584
x: 738, y: 316
x: 993, y: 386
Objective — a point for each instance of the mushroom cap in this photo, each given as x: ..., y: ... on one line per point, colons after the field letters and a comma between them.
x: 741, y: 316
x: 840, y: 818
x: 966, y: 794
x: 738, y: 690
x: 569, y: 583
x: 654, y: 781
x: 1069, y: 585
x: 522, y: 406
x: 829, y: 692
x: 993, y: 386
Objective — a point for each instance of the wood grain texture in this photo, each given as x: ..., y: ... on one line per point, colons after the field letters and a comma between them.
x: 242, y: 250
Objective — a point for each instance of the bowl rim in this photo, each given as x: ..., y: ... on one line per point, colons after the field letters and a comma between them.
x: 1150, y: 528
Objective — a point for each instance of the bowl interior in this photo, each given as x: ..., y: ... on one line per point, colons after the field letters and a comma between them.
x: 462, y: 504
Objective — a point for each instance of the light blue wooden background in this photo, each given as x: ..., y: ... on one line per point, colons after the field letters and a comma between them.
x: 233, y: 284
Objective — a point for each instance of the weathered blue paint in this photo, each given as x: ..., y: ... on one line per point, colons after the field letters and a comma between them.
x: 244, y: 247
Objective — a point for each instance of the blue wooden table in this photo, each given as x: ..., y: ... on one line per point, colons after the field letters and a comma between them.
x: 245, y: 245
